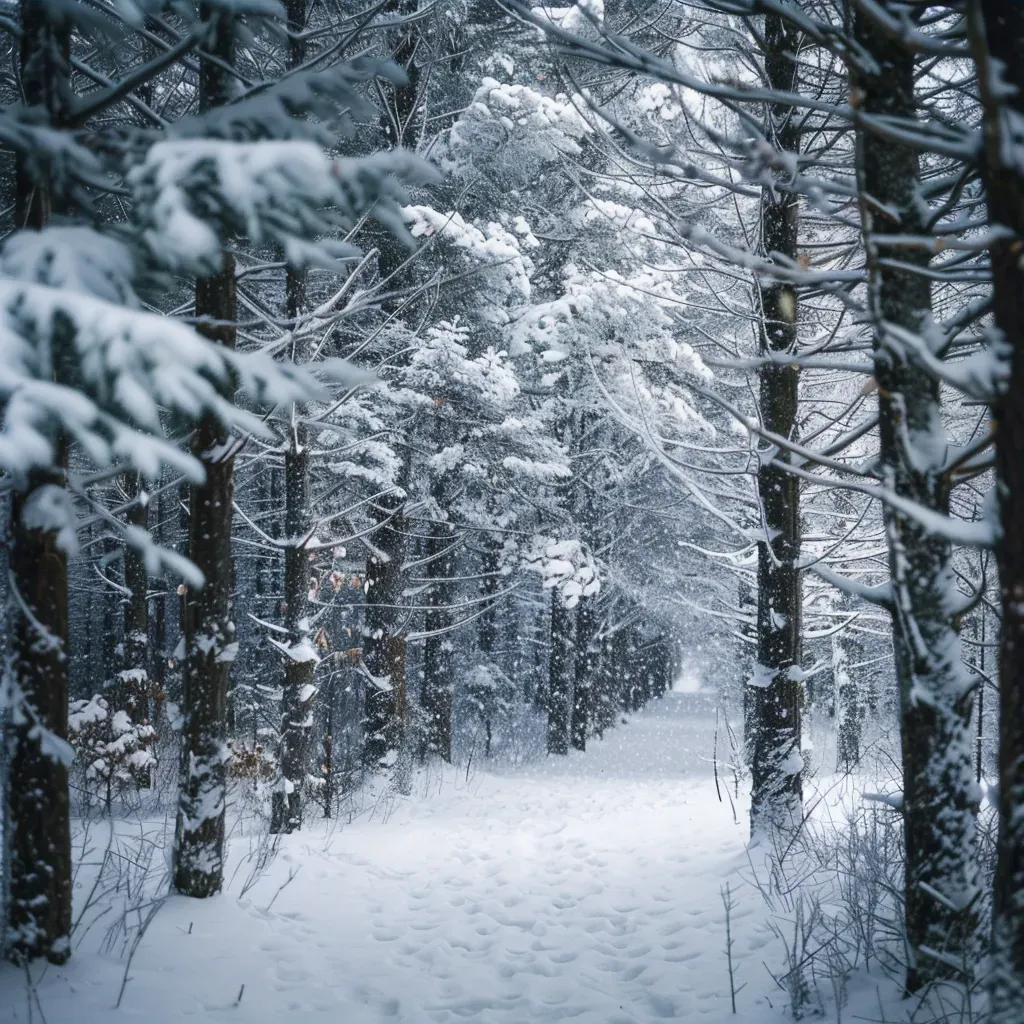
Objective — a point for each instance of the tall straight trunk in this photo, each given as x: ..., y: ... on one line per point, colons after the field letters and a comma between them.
x: 560, y: 675
x: 158, y: 650
x: 134, y: 675
x: 384, y: 646
x: 298, y: 691
x: 133, y: 683
x: 436, y: 696
x: 849, y: 710
x: 608, y: 678
x: 209, y: 629
x: 584, y: 673
x: 38, y: 848
x: 940, y: 795
x: 636, y: 671
x: 490, y: 564
x: 774, y: 700
x: 301, y: 660
x: 997, y: 35
x: 384, y: 621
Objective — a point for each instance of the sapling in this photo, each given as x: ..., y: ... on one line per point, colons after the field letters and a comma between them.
x: 728, y: 903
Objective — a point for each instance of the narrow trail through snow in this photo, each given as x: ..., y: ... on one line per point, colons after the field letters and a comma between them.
x: 584, y: 890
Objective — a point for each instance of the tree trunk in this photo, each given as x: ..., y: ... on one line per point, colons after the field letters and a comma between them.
x: 300, y: 662
x: 436, y: 696
x: 383, y: 638
x: 39, y: 916
x: 298, y: 691
x: 997, y: 34
x: 583, y: 677
x: 849, y: 710
x: 384, y: 622
x: 940, y: 796
x: 605, y: 699
x: 635, y: 669
x: 490, y: 564
x: 37, y: 805
x: 328, y: 769
x: 775, y: 699
x: 209, y: 630
x: 560, y: 674
x: 133, y: 678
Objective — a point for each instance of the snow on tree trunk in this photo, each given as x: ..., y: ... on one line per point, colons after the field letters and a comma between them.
x: 607, y: 695
x: 437, y: 662
x: 773, y: 705
x: 583, y: 676
x: 560, y: 674
x: 997, y: 35
x: 298, y: 691
x: 490, y: 565
x: 300, y: 657
x: 849, y: 710
x: 38, y: 868
x: 383, y: 637
x: 209, y: 629
x: 385, y: 622
x: 133, y: 680
x: 39, y: 848
x: 940, y: 794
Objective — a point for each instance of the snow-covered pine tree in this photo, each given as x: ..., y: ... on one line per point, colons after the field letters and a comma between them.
x: 90, y: 374
x: 940, y: 796
x: 299, y: 658
x: 773, y: 704
x: 996, y: 31
x: 36, y: 680
x: 208, y: 626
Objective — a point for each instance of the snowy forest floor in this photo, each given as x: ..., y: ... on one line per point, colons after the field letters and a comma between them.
x: 585, y: 889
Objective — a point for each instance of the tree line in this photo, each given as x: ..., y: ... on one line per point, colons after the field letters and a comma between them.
x: 378, y: 372
x: 293, y: 492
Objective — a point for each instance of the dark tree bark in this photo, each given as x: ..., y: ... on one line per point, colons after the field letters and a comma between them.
x: 436, y: 695
x: 774, y: 699
x: 585, y: 669
x: 39, y: 917
x: 37, y: 805
x: 606, y: 697
x: 940, y: 796
x: 636, y: 671
x: 133, y: 679
x: 158, y: 652
x: 134, y: 674
x: 560, y: 675
x: 997, y: 34
x: 301, y: 660
x: 849, y: 710
x: 490, y: 564
x: 385, y: 621
x: 383, y: 637
x: 209, y: 628
x: 298, y: 691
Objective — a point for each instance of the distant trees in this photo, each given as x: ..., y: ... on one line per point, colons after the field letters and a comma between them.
x: 871, y: 151
x: 441, y: 451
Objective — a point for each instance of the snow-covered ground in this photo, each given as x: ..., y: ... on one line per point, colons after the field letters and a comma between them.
x: 584, y: 889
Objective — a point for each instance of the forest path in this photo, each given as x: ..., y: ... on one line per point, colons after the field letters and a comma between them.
x: 584, y: 889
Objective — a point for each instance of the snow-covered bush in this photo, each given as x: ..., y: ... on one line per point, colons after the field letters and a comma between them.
x: 112, y: 750
x: 491, y: 695
x: 565, y: 565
